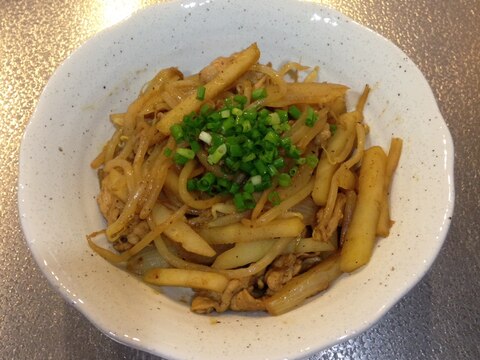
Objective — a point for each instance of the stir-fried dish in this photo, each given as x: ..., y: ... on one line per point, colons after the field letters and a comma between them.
x: 250, y: 185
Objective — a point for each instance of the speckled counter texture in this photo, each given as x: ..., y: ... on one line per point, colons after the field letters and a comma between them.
x: 438, y: 319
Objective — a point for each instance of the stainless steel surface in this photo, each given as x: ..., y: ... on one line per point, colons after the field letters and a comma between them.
x: 438, y: 319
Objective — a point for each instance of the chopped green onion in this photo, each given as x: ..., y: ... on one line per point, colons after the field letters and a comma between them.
x: 217, y: 140
x: 260, y: 166
x: 241, y: 99
x: 248, y: 200
x: 237, y: 112
x: 179, y: 159
x: 206, y: 182
x: 293, y: 171
x: 224, y: 183
x: 249, y: 157
x: 279, y: 163
x: 333, y: 128
x: 205, y: 109
x: 258, y: 94
x: 217, y: 154
x: 188, y: 153
x: 205, y: 137
x: 293, y: 152
x: 283, y: 115
x: 177, y: 132
x: 274, y: 198
x: 228, y: 124
x: 201, y: 93
x: 256, y: 180
x: 235, y: 188
x: 167, y: 152
x: 248, y: 187
x: 195, y: 146
x: 238, y: 201
x: 225, y: 113
x: 272, y: 170
x: 263, y: 113
x: 235, y: 150
x: 311, y: 117
x: 286, y: 142
x: 301, y: 161
x: 273, y: 119
x: 192, y: 184
x: 294, y: 112
x: 246, y: 126
x: 250, y: 114
x: 284, y: 180
x: 312, y: 161
x: 232, y: 164
x: 272, y: 137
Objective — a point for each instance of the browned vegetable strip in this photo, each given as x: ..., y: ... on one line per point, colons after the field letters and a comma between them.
x: 187, y: 278
x: 309, y: 93
x: 360, y: 237
x: 303, y: 286
x: 385, y: 223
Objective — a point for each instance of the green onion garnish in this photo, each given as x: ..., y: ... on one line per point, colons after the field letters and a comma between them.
x: 179, y: 159
x: 238, y: 201
x: 177, y: 132
x: 201, y: 93
x: 206, y: 182
x: 258, y: 94
x: 205, y: 137
x: 167, y: 152
x: 284, y: 180
x: 294, y: 112
x: 274, y: 198
x: 293, y: 171
x: 250, y: 142
x: 192, y: 184
x: 312, y: 161
x: 187, y: 153
x: 311, y: 117
x: 217, y: 154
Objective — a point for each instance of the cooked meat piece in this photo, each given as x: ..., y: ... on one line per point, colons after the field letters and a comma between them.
x: 109, y: 204
x: 325, y: 229
x: 203, y: 305
x: 281, y: 271
x: 139, y: 231
x: 207, y: 301
x: 322, y: 138
x: 244, y: 301
x: 122, y: 244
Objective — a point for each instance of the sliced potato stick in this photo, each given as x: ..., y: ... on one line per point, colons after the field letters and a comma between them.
x: 384, y: 223
x: 323, y: 178
x: 238, y: 232
x: 240, y: 64
x: 182, y: 233
x: 187, y: 278
x: 309, y: 93
x: 306, y: 245
x: 360, y: 237
x: 243, y: 253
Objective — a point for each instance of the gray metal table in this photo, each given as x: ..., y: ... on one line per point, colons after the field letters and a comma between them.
x: 438, y: 319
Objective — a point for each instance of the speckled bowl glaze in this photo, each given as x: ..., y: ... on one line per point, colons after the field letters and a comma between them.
x: 57, y: 188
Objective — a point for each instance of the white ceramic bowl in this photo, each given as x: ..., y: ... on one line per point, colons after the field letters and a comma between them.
x: 57, y: 186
